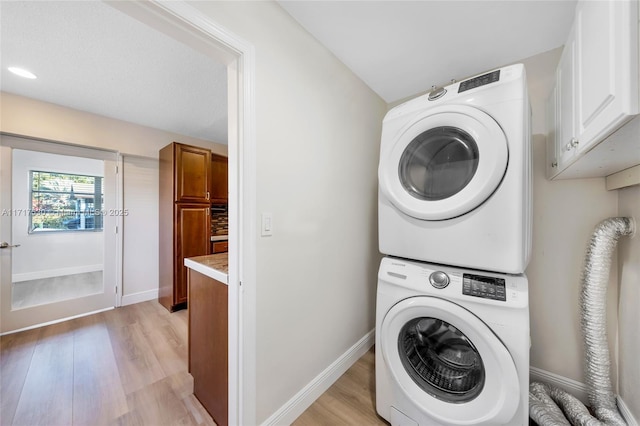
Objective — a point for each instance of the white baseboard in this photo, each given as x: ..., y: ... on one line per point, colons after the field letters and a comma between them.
x: 626, y: 413
x: 52, y: 273
x: 577, y: 389
x: 143, y: 296
x: 293, y: 408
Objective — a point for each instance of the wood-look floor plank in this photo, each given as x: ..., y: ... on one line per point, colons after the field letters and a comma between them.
x: 47, y: 395
x: 167, y: 338
x: 106, y: 369
x: 16, y: 352
x: 137, y: 363
x: 98, y: 395
x: 349, y: 401
x: 157, y: 404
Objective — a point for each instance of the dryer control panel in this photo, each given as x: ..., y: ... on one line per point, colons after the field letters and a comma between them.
x: 480, y: 80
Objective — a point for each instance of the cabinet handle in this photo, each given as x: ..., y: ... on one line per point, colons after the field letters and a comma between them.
x: 573, y: 143
x: 207, y: 195
x: 554, y: 164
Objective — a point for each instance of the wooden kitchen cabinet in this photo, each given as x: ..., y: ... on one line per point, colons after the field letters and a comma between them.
x: 192, y: 224
x: 208, y: 344
x: 219, y: 179
x: 185, y: 226
x: 219, y: 246
x: 192, y: 173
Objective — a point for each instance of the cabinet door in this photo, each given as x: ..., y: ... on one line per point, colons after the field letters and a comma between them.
x: 566, y: 136
x: 192, y: 228
x: 220, y: 247
x: 552, y: 134
x: 208, y: 344
x: 606, y: 62
x: 219, y: 178
x: 192, y: 174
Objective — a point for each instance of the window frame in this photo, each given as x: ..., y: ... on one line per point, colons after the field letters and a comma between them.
x: 95, y: 211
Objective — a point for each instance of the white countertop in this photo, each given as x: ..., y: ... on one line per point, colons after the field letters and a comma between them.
x: 219, y: 238
x: 213, y: 266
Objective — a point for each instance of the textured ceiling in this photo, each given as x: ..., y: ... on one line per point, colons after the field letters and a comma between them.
x: 89, y: 56
x: 402, y: 48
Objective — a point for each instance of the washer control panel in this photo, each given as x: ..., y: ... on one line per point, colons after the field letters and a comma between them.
x: 485, y: 287
x: 439, y: 279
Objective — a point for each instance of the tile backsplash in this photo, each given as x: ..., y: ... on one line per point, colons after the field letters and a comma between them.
x: 219, y: 223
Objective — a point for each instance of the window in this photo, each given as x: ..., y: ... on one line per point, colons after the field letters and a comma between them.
x: 63, y: 202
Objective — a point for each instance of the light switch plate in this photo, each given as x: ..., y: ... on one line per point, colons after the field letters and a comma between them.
x: 267, y: 224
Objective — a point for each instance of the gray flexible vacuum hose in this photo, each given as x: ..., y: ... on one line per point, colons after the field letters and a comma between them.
x: 593, y: 298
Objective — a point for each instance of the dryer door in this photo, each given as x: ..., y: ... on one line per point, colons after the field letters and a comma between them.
x: 449, y: 363
x: 445, y: 163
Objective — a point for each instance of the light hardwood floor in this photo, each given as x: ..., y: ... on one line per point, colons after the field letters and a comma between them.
x: 127, y: 366
x: 349, y: 401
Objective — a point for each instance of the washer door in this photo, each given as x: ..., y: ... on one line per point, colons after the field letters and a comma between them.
x: 449, y: 363
x: 445, y: 163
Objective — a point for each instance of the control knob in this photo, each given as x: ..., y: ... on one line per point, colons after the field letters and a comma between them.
x: 439, y: 279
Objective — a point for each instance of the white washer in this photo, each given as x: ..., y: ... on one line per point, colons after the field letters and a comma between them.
x: 452, y: 346
x: 455, y: 175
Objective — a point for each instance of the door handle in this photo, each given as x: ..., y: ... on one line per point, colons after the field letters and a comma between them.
x: 4, y: 245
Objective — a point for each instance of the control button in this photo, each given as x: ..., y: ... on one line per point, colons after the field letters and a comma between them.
x: 436, y: 93
x: 439, y: 279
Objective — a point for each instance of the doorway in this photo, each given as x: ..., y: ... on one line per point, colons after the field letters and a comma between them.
x: 185, y: 23
x: 59, y: 255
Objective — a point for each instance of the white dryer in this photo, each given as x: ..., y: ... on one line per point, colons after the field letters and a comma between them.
x: 455, y: 175
x: 452, y: 346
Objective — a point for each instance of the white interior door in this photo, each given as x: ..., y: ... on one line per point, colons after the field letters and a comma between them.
x: 58, y: 229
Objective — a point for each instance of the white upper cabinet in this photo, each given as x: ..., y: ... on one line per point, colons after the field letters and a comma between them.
x: 596, y: 91
x: 566, y: 112
x: 607, y: 92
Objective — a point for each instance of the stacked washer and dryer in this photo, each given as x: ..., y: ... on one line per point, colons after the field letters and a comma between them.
x: 452, y: 312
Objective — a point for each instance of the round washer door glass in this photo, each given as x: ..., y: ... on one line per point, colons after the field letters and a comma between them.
x: 449, y: 363
x: 441, y: 359
x: 444, y: 163
x: 438, y: 163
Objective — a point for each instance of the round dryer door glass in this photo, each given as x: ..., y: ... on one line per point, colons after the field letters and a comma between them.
x: 438, y: 163
x: 441, y: 360
x: 444, y: 163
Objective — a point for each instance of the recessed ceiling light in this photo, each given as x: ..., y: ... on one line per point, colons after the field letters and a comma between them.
x: 22, y: 72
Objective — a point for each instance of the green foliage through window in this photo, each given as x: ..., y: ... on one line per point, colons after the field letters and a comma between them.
x: 62, y: 202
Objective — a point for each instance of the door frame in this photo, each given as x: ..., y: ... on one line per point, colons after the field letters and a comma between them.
x: 24, y: 319
x: 187, y: 24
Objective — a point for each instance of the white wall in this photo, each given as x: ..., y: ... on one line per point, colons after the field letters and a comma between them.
x: 140, y: 255
x: 318, y: 135
x: 32, y: 118
x: 50, y: 254
x: 629, y: 272
x: 565, y: 215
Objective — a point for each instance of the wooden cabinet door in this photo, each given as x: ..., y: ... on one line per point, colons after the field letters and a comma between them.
x: 192, y: 230
x: 192, y: 174
x: 208, y: 344
x: 607, y: 68
x: 219, y: 178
